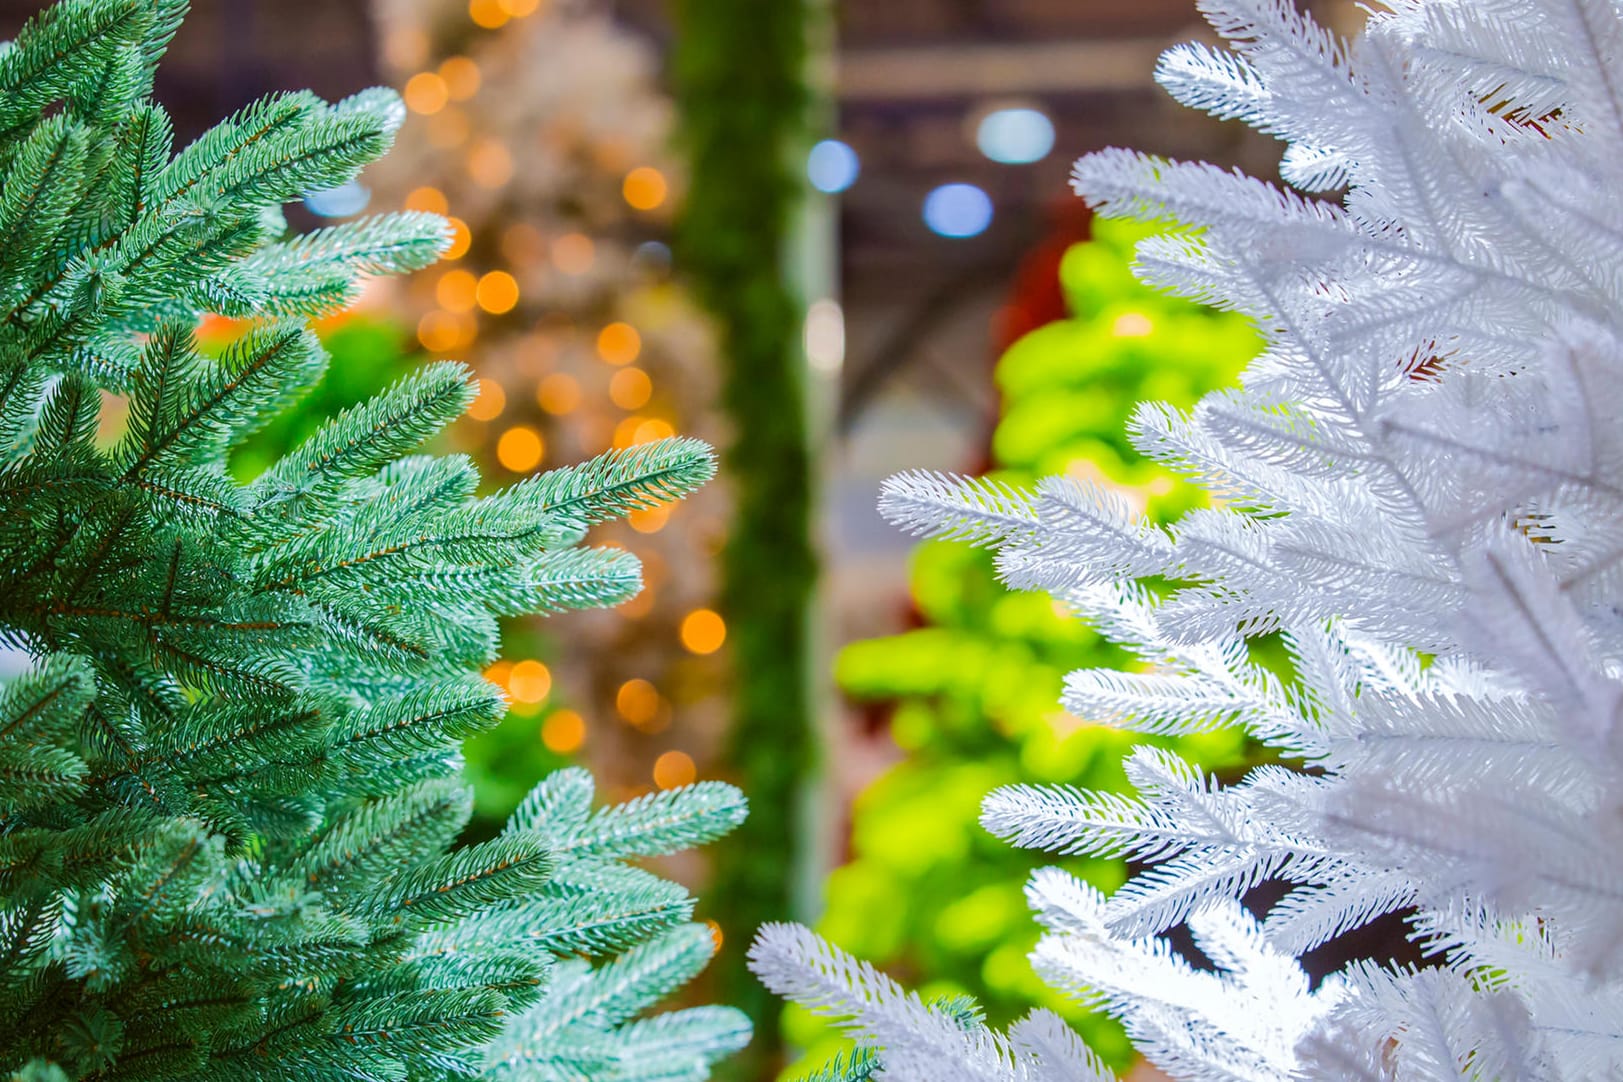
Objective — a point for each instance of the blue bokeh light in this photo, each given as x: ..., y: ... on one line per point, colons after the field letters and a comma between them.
x: 832, y: 166
x: 1015, y: 136
x: 958, y: 210
x: 340, y: 202
x: 652, y: 257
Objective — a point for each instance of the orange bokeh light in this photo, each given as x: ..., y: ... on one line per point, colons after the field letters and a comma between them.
x: 573, y: 253
x: 429, y: 199
x: 625, y: 433
x: 519, y: 449
x: 489, y: 403
x: 651, y: 430
x: 564, y: 731
x: 645, y: 188
x: 406, y: 47
x: 703, y: 631
x: 498, y: 673
x: 490, y: 163
x: 487, y: 13
x: 461, y: 77
x: 636, y: 609
x: 497, y: 292
x: 454, y: 290
x: 630, y: 388
x: 439, y: 331
x: 558, y: 393
x: 461, y: 239
x: 674, y: 769
x: 638, y: 702
x: 650, y: 519
x: 619, y: 343
x: 425, y: 93
x: 529, y: 681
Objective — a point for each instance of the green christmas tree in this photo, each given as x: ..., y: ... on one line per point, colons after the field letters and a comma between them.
x: 229, y: 779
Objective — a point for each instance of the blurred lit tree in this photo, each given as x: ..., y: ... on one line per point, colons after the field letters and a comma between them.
x: 972, y: 692
x: 540, y: 129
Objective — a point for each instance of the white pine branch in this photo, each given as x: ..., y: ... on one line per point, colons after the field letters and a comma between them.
x: 950, y: 507
x: 1419, y: 487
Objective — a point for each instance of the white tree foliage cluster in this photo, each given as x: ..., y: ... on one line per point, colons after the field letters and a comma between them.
x: 1418, y: 486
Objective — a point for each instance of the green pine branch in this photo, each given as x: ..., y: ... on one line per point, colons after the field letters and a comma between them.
x: 230, y: 781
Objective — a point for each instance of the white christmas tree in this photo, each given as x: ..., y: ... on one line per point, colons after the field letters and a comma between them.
x: 1419, y: 490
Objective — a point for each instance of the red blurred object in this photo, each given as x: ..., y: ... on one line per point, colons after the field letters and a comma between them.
x: 1037, y: 297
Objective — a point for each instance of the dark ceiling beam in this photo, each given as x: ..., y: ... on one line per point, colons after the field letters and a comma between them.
x: 914, y: 73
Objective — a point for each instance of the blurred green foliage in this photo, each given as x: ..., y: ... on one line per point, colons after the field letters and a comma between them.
x: 368, y: 352
x: 504, y: 763
x: 739, y: 72
x: 927, y: 894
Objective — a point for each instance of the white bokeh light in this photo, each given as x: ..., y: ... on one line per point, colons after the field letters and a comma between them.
x: 825, y: 336
x: 1015, y: 136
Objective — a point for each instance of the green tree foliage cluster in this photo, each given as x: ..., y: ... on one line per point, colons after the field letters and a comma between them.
x: 230, y: 779
x: 973, y: 691
x: 366, y: 351
x: 741, y: 88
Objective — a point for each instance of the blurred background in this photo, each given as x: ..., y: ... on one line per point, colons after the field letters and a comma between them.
x: 836, y: 240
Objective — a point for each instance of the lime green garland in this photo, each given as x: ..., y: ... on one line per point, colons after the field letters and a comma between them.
x: 741, y: 90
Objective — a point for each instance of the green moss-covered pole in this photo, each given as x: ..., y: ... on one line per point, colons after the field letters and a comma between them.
x: 741, y: 88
